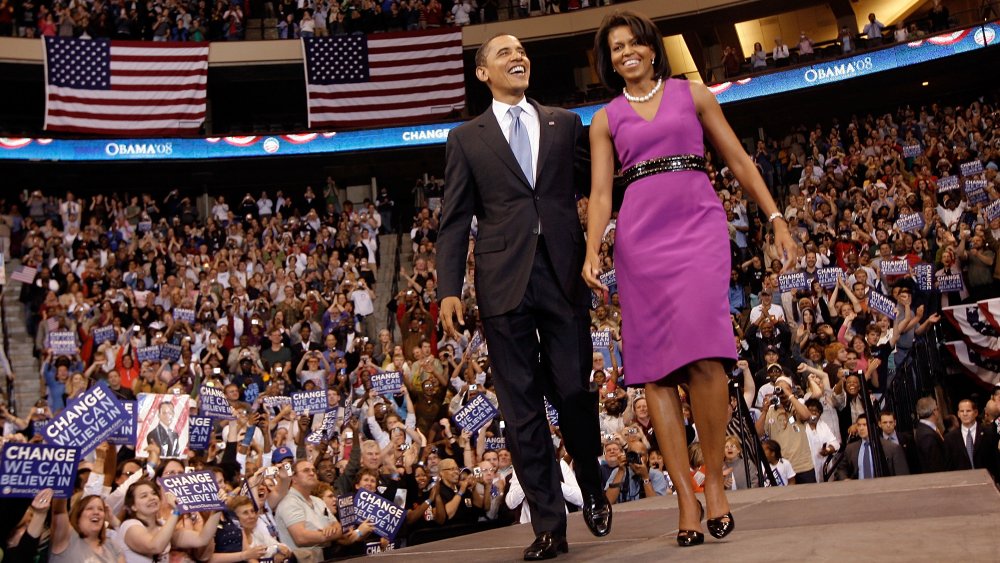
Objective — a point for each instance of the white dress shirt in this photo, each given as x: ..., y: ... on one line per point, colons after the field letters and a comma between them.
x: 570, y: 489
x: 529, y: 119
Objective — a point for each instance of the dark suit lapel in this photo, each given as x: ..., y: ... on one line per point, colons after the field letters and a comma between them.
x: 493, y: 137
x: 546, y: 133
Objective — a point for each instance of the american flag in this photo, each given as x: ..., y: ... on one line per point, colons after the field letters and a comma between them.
x: 388, y: 78
x: 24, y: 274
x: 124, y: 88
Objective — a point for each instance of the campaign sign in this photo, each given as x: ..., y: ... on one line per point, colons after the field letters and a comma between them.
x: 912, y: 151
x: 195, y: 491
x: 345, y: 511
x: 276, y: 403
x: 125, y: 435
x: 87, y: 420
x: 910, y: 222
x: 828, y: 277
x: 387, y: 382
x: 971, y: 168
x: 993, y: 210
x: 63, y: 343
x: 496, y: 443
x: 610, y: 280
x: 550, y: 412
x: 212, y: 401
x: 104, y: 334
x: 947, y: 183
x: 894, y: 267
x: 148, y: 353
x: 199, y: 432
x: 950, y: 282
x: 386, y: 517
x: 40, y: 426
x: 924, y: 273
x: 788, y: 282
x: 184, y: 315
x: 26, y: 469
x: 882, y: 304
x: 144, y: 226
x: 246, y: 491
x: 309, y: 402
x: 600, y: 339
x: 595, y: 300
x: 975, y: 190
x: 251, y: 392
x: 478, y: 413
x: 170, y: 352
x: 476, y: 343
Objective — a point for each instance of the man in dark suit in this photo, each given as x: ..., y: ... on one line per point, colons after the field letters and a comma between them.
x: 887, y: 423
x: 162, y: 435
x: 972, y: 445
x: 518, y: 168
x: 930, y: 445
x: 859, y: 456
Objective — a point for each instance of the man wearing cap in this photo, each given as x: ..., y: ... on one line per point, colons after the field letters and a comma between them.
x: 784, y: 422
x: 766, y: 308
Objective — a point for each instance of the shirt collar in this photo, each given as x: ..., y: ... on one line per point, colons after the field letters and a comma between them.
x: 500, y: 109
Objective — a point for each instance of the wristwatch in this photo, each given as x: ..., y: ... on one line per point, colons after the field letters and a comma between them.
x: 645, y: 481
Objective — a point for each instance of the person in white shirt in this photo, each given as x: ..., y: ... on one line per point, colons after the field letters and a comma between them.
x: 570, y: 489
x: 766, y: 307
x: 805, y: 47
x: 781, y: 468
x: 873, y: 30
x: 822, y: 442
x: 780, y: 53
x: 265, y: 207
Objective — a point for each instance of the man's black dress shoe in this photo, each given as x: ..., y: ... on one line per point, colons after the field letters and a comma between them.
x: 597, y: 514
x: 546, y: 546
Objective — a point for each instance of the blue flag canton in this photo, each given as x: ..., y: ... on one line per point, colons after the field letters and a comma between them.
x: 78, y: 63
x: 342, y: 59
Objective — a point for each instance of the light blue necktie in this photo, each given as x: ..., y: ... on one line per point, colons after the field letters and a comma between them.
x: 970, y: 448
x: 520, y: 144
x: 866, y: 469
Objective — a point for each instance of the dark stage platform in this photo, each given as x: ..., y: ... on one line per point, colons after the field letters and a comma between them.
x: 938, y: 517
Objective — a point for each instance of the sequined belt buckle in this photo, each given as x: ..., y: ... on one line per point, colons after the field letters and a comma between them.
x: 663, y: 164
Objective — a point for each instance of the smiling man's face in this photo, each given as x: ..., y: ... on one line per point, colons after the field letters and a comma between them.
x: 506, y: 69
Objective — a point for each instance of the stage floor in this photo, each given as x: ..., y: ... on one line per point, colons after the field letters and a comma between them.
x: 938, y: 517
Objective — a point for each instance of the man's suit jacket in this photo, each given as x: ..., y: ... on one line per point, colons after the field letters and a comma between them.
x: 930, y: 446
x: 984, y: 452
x: 483, y: 178
x: 909, y: 446
x: 167, y: 440
x: 848, y: 468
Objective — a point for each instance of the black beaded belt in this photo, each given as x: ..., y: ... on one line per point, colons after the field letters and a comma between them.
x: 663, y: 164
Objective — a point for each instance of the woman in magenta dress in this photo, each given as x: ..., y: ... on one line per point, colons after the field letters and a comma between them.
x: 672, y: 256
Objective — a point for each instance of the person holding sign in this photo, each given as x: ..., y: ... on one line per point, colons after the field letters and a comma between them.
x: 143, y: 537
x: 517, y: 168
x: 676, y: 327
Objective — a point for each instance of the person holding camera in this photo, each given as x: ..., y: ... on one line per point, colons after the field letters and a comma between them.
x: 633, y: 479
x: 782, y: 419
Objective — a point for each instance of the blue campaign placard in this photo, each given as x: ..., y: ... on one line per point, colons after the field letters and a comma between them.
x: 600, y: 339
x: 26, y: 469
x: 882, y: 304
x: 993, y: 210
x: 595, y: 300
x: 387, y: 382
x: 199, y: 432
x: 125, y: 435
x: 276, y: 402
x: 170, y: 352
x: 63, y: 343
x: 827, y: 277
x: 386, y: 517
x: 251, y: 392
x: 476, y: 343
x: 950, y: 282
x: 550, y: 412
x: 144, y: 226
x: 971, y: 168
x: 345, y: 511
x: 796, y: 280
x: 148, y: 353
x: 912, y: 151
x: 184, y: 315
x: 476, y: 414
x: 910, y: 222
x: 87, y: 420
x: 947, y: 183
x: 975, y: 191
x: 894, y: 267
x: 610, y: 280
x: 309, y: 402
x: 104, y: 334
x: 196, y: 491
x: 212, y: 402
x: 924, y: 274
x: 496, y: 443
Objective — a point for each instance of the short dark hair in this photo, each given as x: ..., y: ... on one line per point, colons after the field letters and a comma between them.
x: 482, y: 50
x: 645, y: 32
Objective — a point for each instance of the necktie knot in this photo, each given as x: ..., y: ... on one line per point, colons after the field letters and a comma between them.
x: 515, y: 112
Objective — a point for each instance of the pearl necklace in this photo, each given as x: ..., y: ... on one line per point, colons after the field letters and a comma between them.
x: 647, y: 97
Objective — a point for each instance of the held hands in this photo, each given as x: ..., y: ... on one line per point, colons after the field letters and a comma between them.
x: 592, y: 271
x: 452, y: 310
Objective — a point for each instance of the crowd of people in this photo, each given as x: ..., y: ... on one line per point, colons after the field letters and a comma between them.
x: 226, y: 20
x: 283, y: 289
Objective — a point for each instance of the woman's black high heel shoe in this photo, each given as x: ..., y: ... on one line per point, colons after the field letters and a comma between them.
x: 688, y: 538
x: 721, y: 526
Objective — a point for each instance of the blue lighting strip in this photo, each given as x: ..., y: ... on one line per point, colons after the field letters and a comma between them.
x: 819, y: 74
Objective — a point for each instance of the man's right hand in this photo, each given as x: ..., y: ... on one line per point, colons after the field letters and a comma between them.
x: 592, y: 272
x: 452, y: 310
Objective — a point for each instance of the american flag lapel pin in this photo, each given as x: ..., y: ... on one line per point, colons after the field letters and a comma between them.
x: 552, y: 123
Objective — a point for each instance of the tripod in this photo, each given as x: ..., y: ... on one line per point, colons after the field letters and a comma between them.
x: 749, y: 440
